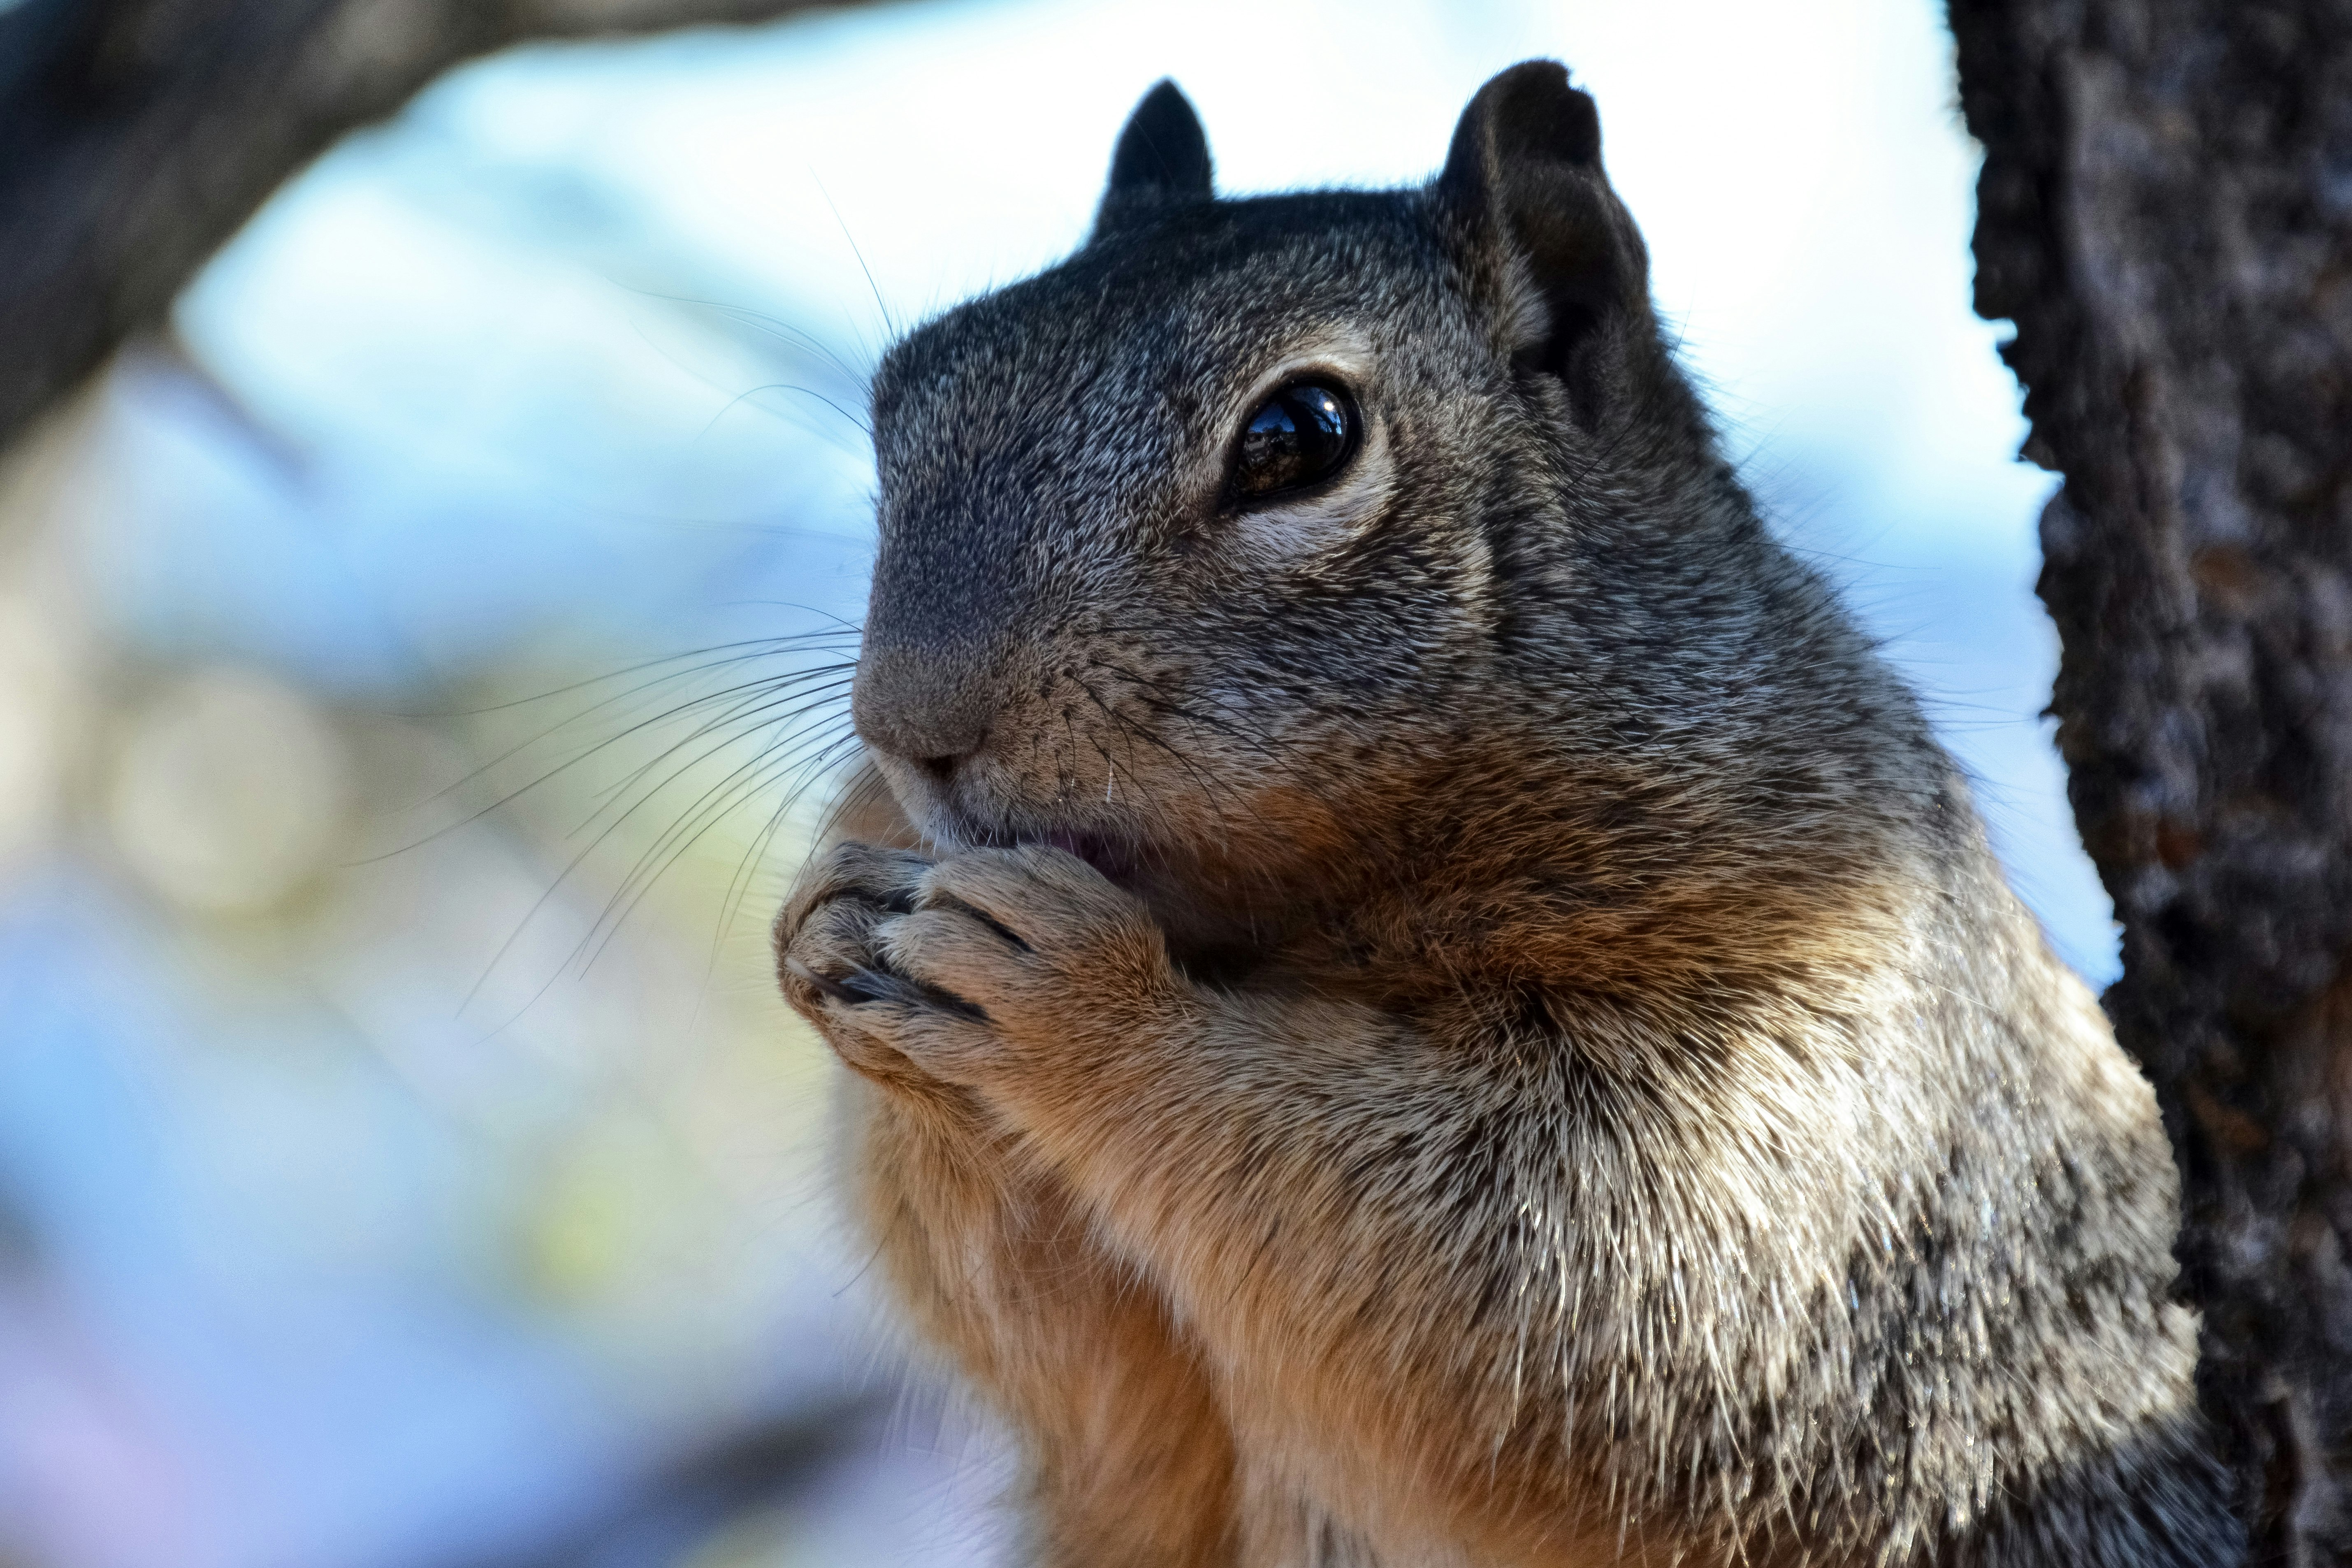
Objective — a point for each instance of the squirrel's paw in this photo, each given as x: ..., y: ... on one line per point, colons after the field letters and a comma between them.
x: 832, y: 971
x: 970, y: 967
x: 967, y: 967
x: 1040, y: 942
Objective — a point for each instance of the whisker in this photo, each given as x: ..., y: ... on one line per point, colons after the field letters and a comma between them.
x: 828, y: 761
x: 567, y: 723
x: 630, y: 891
x: 861, y: 793
x: 750, y: 392
x: 657, y: 862
x: 795, y: 752
x: 774, y: 326
x: 699, y: 759
x: 763, y: 699
x: 549, y: 774
x: 780, y: 644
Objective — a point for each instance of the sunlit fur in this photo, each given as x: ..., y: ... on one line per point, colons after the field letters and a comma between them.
x: 1554, y: 1075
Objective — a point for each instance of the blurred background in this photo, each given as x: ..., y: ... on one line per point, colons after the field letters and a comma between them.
x: 419, y: 670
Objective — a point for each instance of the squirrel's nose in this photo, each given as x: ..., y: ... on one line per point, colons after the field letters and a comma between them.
x: 929, y: 706
x: 942, y: 768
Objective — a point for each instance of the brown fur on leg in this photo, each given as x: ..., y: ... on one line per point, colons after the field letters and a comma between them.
x: 1128, y: 1459
x: 1128, y: 1465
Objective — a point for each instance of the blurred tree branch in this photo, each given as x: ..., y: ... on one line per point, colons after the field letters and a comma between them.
x: 137, y: 135
x: 2166, y: 212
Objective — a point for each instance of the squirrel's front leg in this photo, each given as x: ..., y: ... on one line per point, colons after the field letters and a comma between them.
x: 1129, y: 1457
x: 1312, y: 1186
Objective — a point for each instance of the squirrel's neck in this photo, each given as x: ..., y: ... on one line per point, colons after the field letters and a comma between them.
x: 1547, y: 872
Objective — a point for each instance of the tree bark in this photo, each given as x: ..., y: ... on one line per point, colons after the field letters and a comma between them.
x: 137, y: 135
x: 2166, y: 213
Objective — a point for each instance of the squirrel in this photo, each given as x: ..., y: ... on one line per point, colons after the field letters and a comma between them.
x: 1417, y: 992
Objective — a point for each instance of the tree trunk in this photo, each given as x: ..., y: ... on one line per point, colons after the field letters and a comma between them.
x: 2166, y: 213
x: 137, y: 135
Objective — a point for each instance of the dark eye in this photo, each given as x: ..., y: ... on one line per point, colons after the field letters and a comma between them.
x: 1302, y: 433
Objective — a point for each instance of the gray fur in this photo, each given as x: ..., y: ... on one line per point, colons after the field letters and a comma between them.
x: 1749, y: 1182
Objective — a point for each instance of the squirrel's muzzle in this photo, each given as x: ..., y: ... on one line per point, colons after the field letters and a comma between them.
x: 928, y: 703
x: 946, y: 583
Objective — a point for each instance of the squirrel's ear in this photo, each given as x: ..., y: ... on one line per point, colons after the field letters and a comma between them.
x: 1525, y: 170
x: 1162, y: 157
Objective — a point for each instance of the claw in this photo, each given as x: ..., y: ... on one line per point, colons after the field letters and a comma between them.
x: 847, y: 990
x: 873, y: 986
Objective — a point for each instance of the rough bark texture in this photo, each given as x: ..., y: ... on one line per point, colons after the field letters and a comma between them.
x: 137, y: 135
x: 2166, y: 212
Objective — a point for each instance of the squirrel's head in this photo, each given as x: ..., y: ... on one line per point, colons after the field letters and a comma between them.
x: 1194, y: 545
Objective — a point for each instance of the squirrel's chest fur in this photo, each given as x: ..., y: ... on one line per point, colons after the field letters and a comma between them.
x: 1418, y: 993
x: 1764, y: 1260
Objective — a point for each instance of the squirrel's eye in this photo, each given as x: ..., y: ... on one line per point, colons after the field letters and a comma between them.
x: 1302, y: 434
